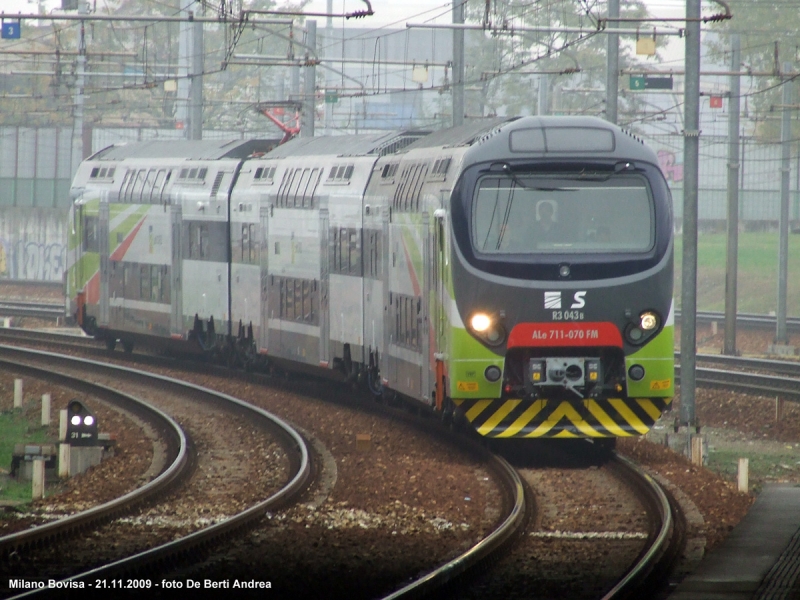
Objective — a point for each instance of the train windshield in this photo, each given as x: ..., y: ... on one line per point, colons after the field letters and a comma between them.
x: 526, y: 214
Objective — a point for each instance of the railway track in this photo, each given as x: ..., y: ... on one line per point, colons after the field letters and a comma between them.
x: 747, y: 320
x: 651, y: 563
x: 153, y: 559
x: 41, y: 310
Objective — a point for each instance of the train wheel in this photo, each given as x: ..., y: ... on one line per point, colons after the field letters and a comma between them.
x: 111, y: 343
x: 127, y: 346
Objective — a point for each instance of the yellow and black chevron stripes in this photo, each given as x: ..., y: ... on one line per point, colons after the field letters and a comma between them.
x: 615, y: 417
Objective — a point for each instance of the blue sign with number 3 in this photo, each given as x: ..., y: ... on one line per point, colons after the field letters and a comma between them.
x: 11, y: 30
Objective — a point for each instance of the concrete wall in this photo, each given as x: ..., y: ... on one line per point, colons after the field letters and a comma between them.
x: 33, y: 243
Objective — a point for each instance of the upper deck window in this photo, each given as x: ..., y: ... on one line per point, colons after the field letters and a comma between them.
x: 557, y: 215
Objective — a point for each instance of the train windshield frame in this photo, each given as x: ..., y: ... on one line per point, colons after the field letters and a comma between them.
x: 545, y: 213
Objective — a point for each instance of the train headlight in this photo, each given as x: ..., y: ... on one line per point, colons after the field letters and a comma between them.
x: 480, y: 322
x: 488, y: 327
x: 648, y: 321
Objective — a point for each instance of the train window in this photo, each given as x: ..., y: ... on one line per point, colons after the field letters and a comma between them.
x: 344, y: 251
x: 94, y: 172
x: 110, y: 172
x: 259, y: 172
x: 137, y: 186
x: 300, y: 189
x: 348, y: 172
x: 164, y: 187
x: 332, y: 173
x: 149, y: 184
x: 201, y: 174
x: 184, y: 173
x: 158, y: 185
x: 192, y: 173
x: 253, y: 244
x: 155, y: 283
x: 144, y: 282
x: 311, y: 188
x: 89, y: 237
x: 245, y: 245
x: 217, y: 183
x: 355, y: 251
x: 563, y: 214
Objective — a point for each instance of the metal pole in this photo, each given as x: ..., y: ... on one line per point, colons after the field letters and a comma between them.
x: 458, y: 63
x: 184, y: 68
x: 783, y: 226
x: 326, y: 48
x: 195, y: 130
x: 691, y: 143
x: 543, y: 102
x: 732, y: 260
x: 80, y: 82
x: 612, y: 65
x: 307, y: 120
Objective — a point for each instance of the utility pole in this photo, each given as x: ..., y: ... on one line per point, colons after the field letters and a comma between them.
x: 458, y: 62
x: 543, y: 102
x: 781, y: 336
x: 189, y: 101
x: 327, y: 45
x: 79, y: 145
x: 612, y: 64
x: 732, y: 258
x: 691, y: 144
x: 309, y: 100
x: 195, y: 129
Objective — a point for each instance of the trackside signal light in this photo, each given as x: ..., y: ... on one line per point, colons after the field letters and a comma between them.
x: 81, y: 425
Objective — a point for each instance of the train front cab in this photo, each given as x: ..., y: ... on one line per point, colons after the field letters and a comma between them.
x: 574, y: 331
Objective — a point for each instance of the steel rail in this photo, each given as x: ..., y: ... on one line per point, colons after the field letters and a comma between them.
x: 170, y: 431
x: 47, y: 310
x: 663, y: 544
x: 485, y: 549
x: 749, y: 320
x: 201, y: 538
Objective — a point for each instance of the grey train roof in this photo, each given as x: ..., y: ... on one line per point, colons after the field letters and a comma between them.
x: 463, y: 135
x: 569, y: 136
x: 348, y: 145
x: 186, y: 149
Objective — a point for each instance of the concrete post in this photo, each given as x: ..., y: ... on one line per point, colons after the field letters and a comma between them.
x: 38, y: 478
x: 743, y: 475
x: 45, y: 410
x: 64, y: 461
x: 62, y: 425
x: 18, y: 393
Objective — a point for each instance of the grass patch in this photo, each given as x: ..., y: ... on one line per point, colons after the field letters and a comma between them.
x: 757, y: 282
x: 15, y: 428
x: 763, y: 465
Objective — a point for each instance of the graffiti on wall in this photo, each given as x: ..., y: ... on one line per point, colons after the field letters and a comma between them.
x: 672, y: 170
x: 32, y: 260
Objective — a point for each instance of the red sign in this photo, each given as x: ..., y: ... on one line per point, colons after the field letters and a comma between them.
x: 715, y: 102
x: 565, y: 334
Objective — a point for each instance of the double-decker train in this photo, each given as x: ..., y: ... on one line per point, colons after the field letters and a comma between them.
x: 517, y: 271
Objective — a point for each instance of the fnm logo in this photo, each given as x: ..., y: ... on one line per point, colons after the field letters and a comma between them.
x: 553, y: 300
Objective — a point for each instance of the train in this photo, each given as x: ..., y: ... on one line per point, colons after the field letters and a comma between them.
x: 513, y: 273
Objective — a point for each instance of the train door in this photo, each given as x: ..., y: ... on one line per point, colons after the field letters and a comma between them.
x: 263, y: 342
x: 386, y: 362
x: 105, y: 273
x: 324, y: 320
x: 438, y: 316
x: 176, y: 315
x: 424, y: 321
